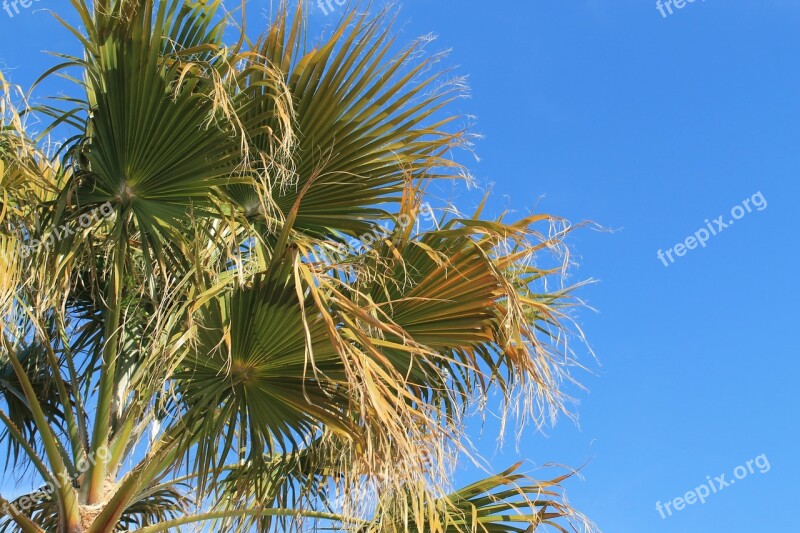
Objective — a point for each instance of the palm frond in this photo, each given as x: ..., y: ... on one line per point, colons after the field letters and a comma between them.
x: 366, y: 122
x: 508, y: 502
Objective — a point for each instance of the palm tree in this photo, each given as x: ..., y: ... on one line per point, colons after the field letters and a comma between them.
x: 197, y: 331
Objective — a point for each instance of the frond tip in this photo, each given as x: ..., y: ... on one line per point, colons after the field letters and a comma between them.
x: 509, y: 501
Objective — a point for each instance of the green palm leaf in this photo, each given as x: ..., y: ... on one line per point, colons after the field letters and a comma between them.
x: 252, y: 367
x: 366, y: 124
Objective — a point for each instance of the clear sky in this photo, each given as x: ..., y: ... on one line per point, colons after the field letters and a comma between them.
x: 647, y: 124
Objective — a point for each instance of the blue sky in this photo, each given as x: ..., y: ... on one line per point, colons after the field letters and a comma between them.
x: 648, y: 125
